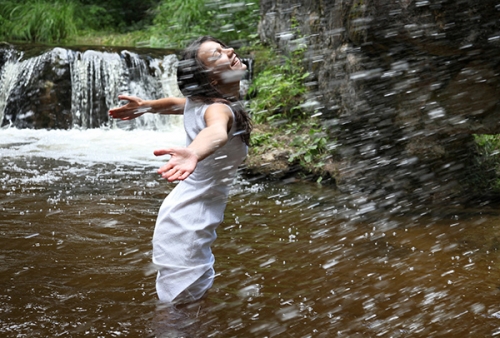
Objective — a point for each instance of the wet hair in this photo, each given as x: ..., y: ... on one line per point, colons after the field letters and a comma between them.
x: 194, y: 81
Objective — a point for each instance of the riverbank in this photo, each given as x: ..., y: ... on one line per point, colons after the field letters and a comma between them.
x: 299, y: 153
x: 281, y: 153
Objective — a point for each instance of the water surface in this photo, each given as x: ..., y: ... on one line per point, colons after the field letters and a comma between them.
x: 77, y: 215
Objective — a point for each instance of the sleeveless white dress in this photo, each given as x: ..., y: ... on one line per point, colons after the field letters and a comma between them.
x: 188, y: 218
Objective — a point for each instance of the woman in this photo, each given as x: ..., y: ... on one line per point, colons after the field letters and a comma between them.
x: 218, y: 131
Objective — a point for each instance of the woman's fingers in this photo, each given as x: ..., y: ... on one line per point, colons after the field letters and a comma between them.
x: 180, y: 165
x: 128, y: 98
x: 176, y: 174
x: 165, y: 168
x: 172, y: 174
x: 184, y: 175
x: 129, y: 111
x: 162, y: 152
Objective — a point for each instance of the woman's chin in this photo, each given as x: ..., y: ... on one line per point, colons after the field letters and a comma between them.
x: 231, y: 76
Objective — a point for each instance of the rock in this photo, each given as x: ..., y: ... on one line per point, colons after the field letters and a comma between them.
x: 409, y: 83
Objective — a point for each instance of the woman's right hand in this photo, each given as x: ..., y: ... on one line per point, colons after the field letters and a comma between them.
x: 181, y: 164
x: 134, y: 108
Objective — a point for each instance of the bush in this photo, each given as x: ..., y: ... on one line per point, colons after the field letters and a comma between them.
x: 279, y: 89
x: 278, y: 106
x: 54, y: 21
x: 177, y: 22
x: 485, y: 174
x: 119, y: 16
x: 39, y: 20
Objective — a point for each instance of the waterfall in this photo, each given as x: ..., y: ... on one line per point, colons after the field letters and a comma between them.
x: 8, y: 77
x: 65, y: 89
x: 96, y: 79
x: 15, y: 73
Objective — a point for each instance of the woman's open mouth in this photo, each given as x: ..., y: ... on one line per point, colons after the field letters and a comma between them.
x: 235, y: 61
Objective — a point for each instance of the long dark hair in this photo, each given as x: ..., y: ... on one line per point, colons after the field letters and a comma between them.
x: 194, y: 82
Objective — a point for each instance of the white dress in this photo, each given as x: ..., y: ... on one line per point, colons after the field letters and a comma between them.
x: 188, y: 218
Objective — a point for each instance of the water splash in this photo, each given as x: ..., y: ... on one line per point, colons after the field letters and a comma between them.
x: 90, y: 146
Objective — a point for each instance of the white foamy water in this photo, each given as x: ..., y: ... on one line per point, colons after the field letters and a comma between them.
x: 90, y: 146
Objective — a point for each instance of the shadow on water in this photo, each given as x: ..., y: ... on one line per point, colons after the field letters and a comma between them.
x: 290, y: 261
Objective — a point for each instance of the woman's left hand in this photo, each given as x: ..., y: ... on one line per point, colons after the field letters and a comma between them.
x: 182, y: 163
x: 131, y: 110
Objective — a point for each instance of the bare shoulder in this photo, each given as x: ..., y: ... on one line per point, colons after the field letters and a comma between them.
x: 219, y: 113
x: 218, y: 109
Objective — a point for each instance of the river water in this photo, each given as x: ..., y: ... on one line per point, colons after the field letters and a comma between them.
x: 77, y: 214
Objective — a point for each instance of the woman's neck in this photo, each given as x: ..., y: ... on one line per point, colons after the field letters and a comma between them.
x: 230, y: 90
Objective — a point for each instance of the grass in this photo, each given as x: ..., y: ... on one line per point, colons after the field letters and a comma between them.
x: 485, y: 176
x: 38, y: 20
x: 102, y: 38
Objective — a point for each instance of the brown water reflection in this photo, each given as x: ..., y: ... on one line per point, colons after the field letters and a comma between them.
x: 292, y: 262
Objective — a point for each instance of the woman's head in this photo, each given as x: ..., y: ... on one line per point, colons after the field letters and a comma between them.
x: 209, y: 68
x: 209, y: 71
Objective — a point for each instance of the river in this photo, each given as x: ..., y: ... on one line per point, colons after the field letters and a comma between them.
x: 77, y: 214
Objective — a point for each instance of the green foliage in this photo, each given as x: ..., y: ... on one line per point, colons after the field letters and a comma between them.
x: 311, y: 148
x: 98, y: 18
x: 152, y: 23
x: 73, y: 20
x: 278, y: 108
x: 279, y: 89
x: 487, y: 163
x: 304, y: 143
x: 179, y: 21
x: 261, y: 139
x: 489, y: 145
x: 38, y: 20
x: 121, y: 16
x: 4, y: 26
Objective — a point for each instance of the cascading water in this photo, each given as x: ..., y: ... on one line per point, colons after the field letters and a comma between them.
x: 15, y: 72
x: 56, y: 104
x: 8, y: 74
x: 95, y: 78
x: 63, y: 89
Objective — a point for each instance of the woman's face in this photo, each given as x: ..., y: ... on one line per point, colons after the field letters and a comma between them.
x: 222, y: 61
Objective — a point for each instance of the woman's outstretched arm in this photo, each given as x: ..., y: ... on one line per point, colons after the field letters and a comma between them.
x: 183, y: 161
x: 137, y: 107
